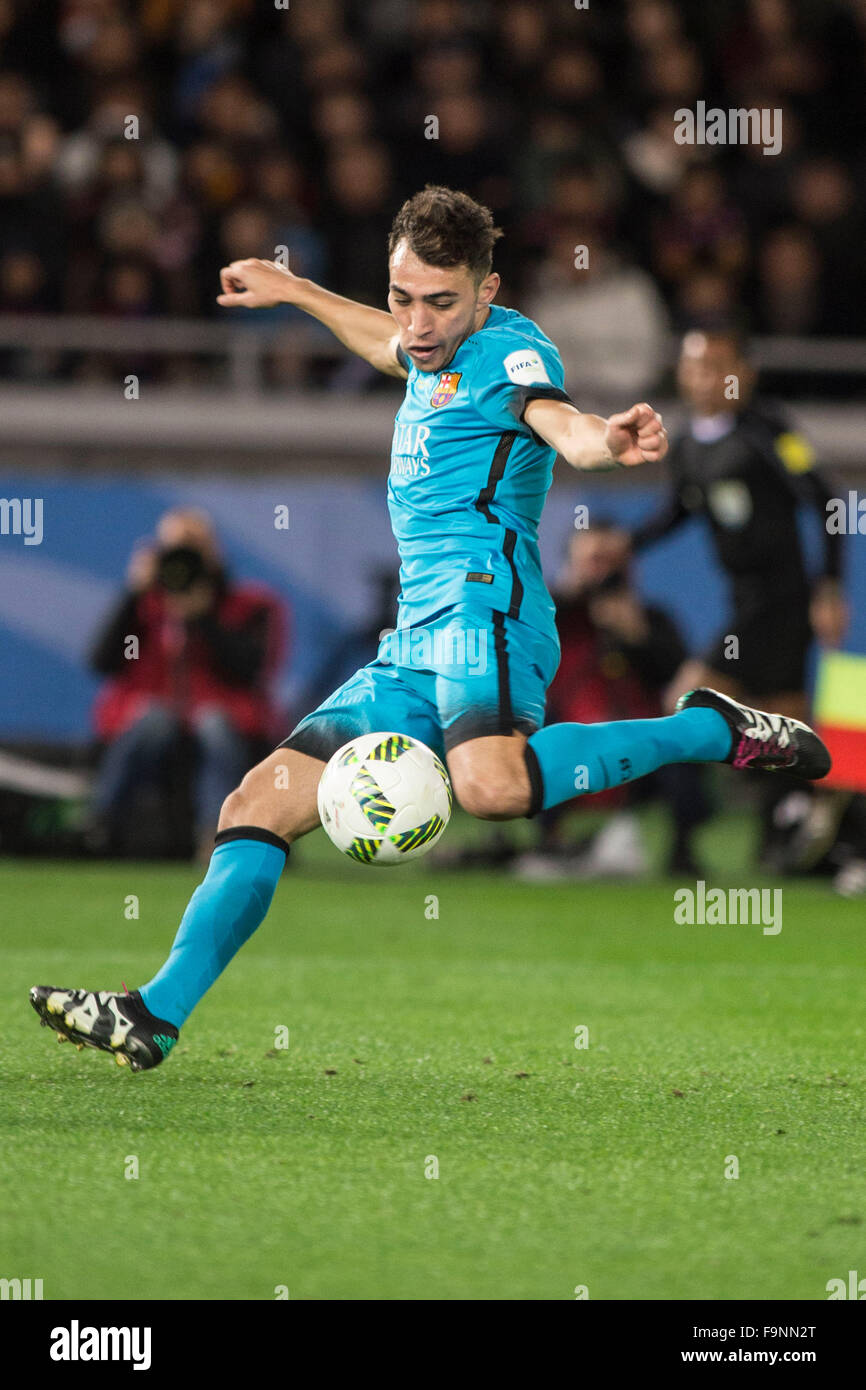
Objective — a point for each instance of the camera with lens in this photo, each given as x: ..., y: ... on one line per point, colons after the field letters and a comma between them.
x: 617, y: 582
x: 179, y: 568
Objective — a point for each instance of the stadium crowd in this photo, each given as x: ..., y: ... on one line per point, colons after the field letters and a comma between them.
x: 265, y: 125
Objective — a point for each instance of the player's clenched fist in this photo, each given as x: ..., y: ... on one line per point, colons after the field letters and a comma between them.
x: 255, y: 284
x: 637, y: 435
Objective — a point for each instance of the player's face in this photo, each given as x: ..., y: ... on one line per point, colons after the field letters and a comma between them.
x: 711, y: 374
x: 435, y: 307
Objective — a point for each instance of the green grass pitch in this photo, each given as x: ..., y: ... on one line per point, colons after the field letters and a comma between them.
x: 417, y: 1042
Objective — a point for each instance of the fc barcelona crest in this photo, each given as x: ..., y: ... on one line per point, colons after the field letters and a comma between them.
x: 445, y: 388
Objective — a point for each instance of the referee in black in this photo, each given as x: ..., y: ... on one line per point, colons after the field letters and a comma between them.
x: 740, y: 465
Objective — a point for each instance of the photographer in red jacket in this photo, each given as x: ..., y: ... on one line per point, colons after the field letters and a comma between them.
x: 189, y: 655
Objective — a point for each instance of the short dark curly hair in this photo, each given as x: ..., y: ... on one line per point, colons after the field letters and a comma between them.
x: 447, y: 228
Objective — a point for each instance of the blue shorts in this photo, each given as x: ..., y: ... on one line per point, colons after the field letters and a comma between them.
x: 466, y: 673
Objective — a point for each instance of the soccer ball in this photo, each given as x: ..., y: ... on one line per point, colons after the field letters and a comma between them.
x: 384, y: 798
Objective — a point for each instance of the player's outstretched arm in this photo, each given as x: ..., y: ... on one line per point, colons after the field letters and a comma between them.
x: 589, y: 441
x: 370, y: 333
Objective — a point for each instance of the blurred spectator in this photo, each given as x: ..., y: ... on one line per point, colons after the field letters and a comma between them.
x: 466, y: 154
x: 188, y: 653
x: 608, y: 321
x: 446, y: 68
x: 825, y: 201
x: 23, y: 282
x: 334, y: 65
x: 343, y: 114
x: 702, y: 229
x: 789, y: 282
x: 573, y: 81
x: 673, y: 72
x: 81, y: 166
x: 434, y: 20
x: 582, y: 200
x: 705, y: 297
x: 760, y: 184
x: 523, y: 42
x: 561, y: 122
x: 231, y: 110
x: 359, y: 215
x: 763, y: 45
x: 653, y: 158
x: 652, y: 23
x: 208, y: 49
x: 312, y: 25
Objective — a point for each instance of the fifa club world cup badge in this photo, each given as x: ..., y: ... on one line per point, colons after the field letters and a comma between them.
x: 445, y: 388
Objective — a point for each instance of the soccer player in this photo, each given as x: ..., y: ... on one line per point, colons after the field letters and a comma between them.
x: 484, y: 415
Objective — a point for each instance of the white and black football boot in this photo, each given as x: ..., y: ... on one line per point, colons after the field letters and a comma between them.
x: 115, y: 1023
x: 769, y: 742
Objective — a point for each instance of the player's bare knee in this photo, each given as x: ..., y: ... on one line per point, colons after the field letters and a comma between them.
x: 278, y: 794
x: 234, y: 810
x: 248, y: 803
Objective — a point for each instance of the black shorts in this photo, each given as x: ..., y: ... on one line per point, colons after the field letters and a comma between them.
x: 773, y: 640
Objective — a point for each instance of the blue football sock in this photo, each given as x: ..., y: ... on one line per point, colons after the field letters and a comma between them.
x: 223, y: 913
x: 568, y: 760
